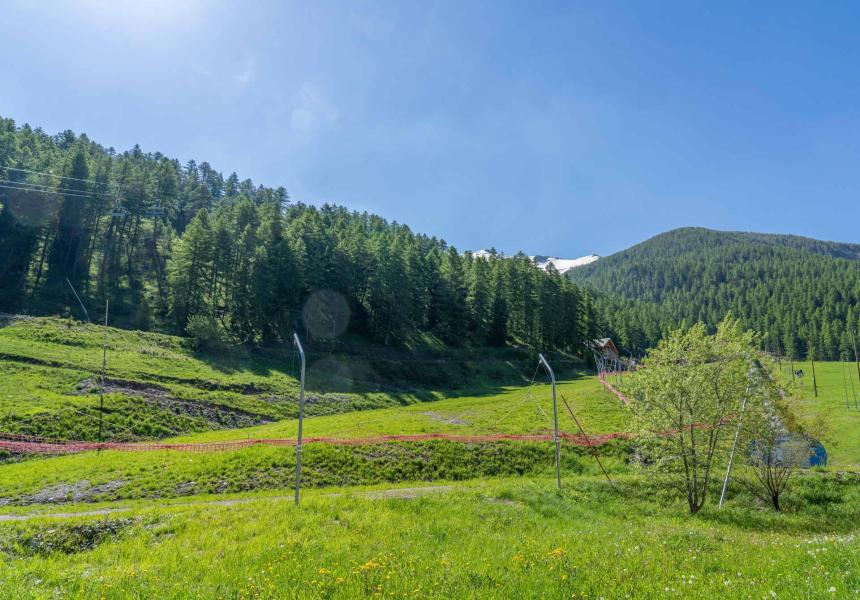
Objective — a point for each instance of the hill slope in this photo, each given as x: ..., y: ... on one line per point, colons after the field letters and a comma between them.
x: 799, y: 291
x: 182, y: 249
x: 156, y: 386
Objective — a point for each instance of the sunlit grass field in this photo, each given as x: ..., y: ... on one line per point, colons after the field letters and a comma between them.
x: 528, y: 409
x: 63, y: 353
x: 493, y: 538
x: 420, y: 519
x: 515, y: 410
x: 841, y: 419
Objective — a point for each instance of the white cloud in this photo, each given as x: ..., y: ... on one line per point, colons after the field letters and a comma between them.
x: 313, y: 109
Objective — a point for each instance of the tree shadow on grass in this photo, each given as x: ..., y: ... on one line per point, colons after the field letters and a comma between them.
x: 794, y: 520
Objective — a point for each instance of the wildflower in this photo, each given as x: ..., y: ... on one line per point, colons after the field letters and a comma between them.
x: 832, y: 589
x: 558, y: 552
x: 324, y: 571
x: 369, y: 565
x: 518, y: 558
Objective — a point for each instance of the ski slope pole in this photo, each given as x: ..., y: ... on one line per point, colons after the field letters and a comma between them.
x: 555, y: 422
x: 856, y: 358
x: 734, y: 446
x: 301, y: 416
x: 104, y: 366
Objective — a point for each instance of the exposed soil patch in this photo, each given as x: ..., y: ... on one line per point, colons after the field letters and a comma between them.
x: 186, y: 488
x: 82, y: 491
x: 444, y: 419
x: 223, y: 416
x: 407, y: 493
x: 122, y: 386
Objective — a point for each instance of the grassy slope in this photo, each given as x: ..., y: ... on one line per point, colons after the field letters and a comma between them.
x: 842, y: 425
x: 68, y: 353
x: 50, y: 368
x: 503, y: 538
x: 166, y: 474
x: 523, y: 409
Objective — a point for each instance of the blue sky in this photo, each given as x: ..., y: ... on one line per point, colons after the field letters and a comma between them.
x: 556, y: 128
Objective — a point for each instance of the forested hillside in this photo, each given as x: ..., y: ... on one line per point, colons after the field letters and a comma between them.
x: 802, y: 293
x: 174, y: 246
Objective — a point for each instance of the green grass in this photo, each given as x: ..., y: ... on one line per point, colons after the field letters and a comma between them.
x: 495, y: 528
x: 94, y: 477
x: 159, y: 387
x: 47, y: 359
x: 841, y: 436
x: 515, y: 410
x: 526, y: 409
x: 497, y: 538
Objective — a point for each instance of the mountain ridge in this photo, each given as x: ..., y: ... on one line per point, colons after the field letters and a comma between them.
x: 803, y: 294
x: 848, y: 250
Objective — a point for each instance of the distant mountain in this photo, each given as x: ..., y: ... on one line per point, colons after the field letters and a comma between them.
x: 562, y: 265
x: 799, y: 291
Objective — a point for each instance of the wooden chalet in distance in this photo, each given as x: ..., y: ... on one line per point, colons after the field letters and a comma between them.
x: 606, y: 347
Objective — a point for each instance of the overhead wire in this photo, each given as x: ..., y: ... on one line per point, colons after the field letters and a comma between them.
x: 106, y: 184
x: 48, y: 174
x: 52, y: 188
x: 21, y: 188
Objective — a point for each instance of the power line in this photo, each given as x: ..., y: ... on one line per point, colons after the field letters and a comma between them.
x: 82, y: 196
x: 48, y: 174
x: 44, y: 189
x: 107, y: 184
x: 50, y: 186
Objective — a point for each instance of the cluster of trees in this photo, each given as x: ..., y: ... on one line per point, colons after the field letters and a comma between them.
x: 169, y: 244
x: 703, y: 399
x: 803, y: 295
x: 255, y: 266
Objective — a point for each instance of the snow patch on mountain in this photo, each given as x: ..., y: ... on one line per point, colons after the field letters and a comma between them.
x: 562, y: 265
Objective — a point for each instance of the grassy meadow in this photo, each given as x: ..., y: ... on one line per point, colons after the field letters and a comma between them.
x: 502, y: 538
x: 161, y: 385
x: 164, y: 474
x: 158, y: 387
x: 390, y: 519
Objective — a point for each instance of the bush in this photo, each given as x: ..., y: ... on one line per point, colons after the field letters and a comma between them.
x: 205, y: 333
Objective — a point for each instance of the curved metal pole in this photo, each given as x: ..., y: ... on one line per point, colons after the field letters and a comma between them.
x: 301, y: 416
x: 555, y: 422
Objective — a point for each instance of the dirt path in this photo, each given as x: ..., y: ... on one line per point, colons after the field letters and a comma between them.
x: 406, y: 493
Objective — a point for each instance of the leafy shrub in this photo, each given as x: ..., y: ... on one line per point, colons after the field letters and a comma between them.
x: 205, y: 333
